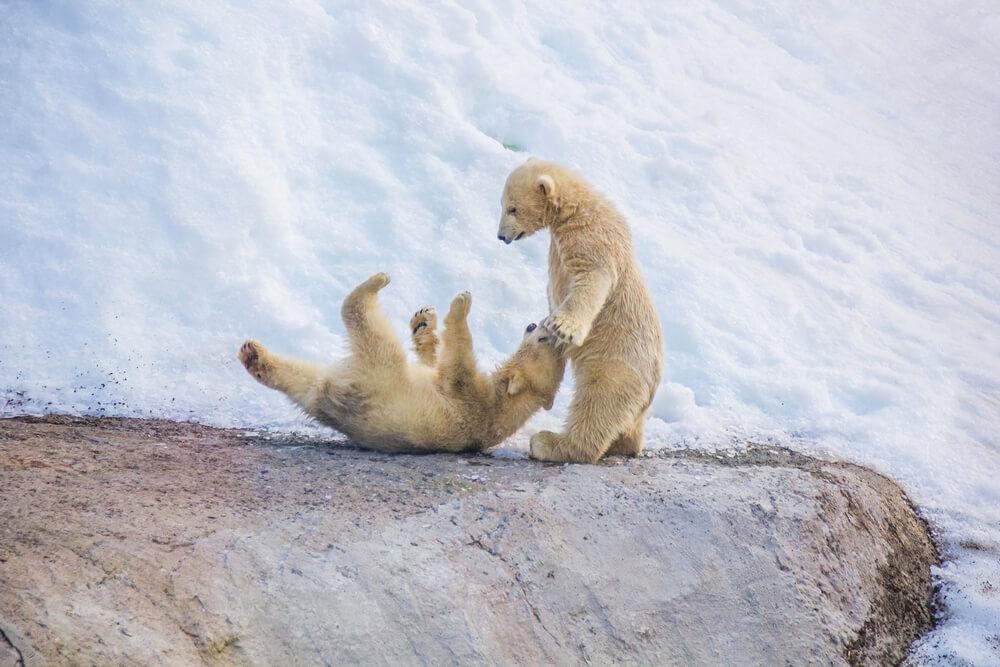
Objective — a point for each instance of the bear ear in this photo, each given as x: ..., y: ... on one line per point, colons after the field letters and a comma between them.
x: 547, y: 187
x: 516, y: 384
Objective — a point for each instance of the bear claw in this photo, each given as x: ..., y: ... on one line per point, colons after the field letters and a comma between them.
x: 564, y: 330
x: 425, y: 318
x: 252, y: 357
x: 248, y: 353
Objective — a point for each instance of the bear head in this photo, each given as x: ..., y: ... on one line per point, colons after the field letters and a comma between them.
x: 530, y: 200
x: 536, y: 369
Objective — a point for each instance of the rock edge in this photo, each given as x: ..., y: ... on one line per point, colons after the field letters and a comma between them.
x: 127, y: 541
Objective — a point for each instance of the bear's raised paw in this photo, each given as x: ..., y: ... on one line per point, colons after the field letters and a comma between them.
x: 377, y: 281
x: 460, y: 306
x: 424, y: 319
x: 252, y: 355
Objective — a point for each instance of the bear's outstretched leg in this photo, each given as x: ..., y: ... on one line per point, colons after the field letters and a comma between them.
x: 423, y: 326
x: 299, y: 380
x: 457, y: 363
x: 602, y: 409
x: 368, y: 329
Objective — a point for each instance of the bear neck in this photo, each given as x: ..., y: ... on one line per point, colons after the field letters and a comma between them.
x: 558, y: 215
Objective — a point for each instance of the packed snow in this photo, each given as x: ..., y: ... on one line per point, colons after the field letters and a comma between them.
x: 813, y: 189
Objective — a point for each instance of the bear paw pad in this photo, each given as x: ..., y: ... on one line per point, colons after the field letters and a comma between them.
x: 252, y: 355
x: 424, y: 319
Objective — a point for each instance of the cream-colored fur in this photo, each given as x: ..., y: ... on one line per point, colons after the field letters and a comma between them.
x: 599, y: 308
x: 443, y: 403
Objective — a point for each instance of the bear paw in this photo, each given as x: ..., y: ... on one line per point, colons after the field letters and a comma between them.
x: 460, y: 306
x: 424, y: 319
x: 543, y: 446
x: 566, y: 329
x: 378, y: 281
x: 253, y: 356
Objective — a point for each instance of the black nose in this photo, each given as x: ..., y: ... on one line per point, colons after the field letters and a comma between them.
x: 532, y: 327
x: 500, y: 237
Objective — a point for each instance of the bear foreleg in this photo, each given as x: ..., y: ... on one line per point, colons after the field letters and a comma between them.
x: 572, y: 319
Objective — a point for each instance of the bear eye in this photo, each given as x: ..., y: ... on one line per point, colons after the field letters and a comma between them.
x: 543, y: 339
x: 512, y: 210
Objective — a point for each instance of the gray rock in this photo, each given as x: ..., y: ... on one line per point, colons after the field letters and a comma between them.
x: 126, y: 541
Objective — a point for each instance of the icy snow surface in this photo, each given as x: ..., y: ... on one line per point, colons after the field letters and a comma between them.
x: 813, y: 187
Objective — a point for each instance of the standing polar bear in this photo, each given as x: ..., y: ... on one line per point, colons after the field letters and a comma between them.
x: 599, y: 308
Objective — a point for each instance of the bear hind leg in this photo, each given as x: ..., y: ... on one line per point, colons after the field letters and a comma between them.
x: 606, y: 416
x: 629, y: 443
x: 595, y: 423
x: 368, y: 329
x: 299, y: 380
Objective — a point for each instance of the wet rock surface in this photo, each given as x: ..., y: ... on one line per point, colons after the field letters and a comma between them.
x: 130, y: 541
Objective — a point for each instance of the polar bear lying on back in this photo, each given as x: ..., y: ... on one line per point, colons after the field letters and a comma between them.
x: 382, y: 402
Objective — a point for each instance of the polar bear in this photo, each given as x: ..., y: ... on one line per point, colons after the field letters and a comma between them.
x: 599, y: 307
x: 382, y: 402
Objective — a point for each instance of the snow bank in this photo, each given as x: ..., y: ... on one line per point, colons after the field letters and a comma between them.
x: 813, y: 190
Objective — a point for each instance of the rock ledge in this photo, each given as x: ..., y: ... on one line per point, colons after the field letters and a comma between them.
x: 129, y: 541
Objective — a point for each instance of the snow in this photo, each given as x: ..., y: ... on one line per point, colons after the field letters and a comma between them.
x: 813, y: 189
